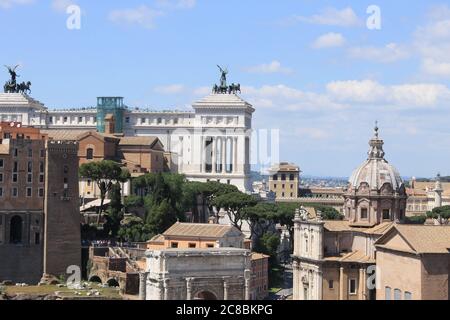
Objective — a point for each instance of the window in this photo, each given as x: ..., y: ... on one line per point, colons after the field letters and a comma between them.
x: 29, y: 178
x: 2, y: 163
x: 29, y: 192
x: 397, y: 294
x: 15, y: 192
x: 41, y: 192
x: 275, y: 186
x: 386, y: 214
x: 127, y: 120
x: 41, y: 178
x: 37, y: 238
x: 66, y: 169
x: 282, y: 194
x: 291, y: 177
x: 174, y: 245
x: 15, y: 177
x: 1, y: 177
x: 1, y: 194
x: 30, y: 167
x: 41, y: 167
x: 352, y: 286
x: 65, y: 119
x: 159, y: 121
x: 89, y: 183
x: 175, y: 121
x: 192, y: 245
x: 30, y: 153
x: 283, y: 177
x: 143, y: 120
x: 408, y: 295
x: 364, y: 213
x: 16, y: 152
x: 387, y: 293
x: 89, y: 154
x: 42, y: 153
x: 15, y: 234
x: 210, y: 245
x: 275, y: 177
x: 80, y: 119
x: 330, y: 284
x: 51, y: 119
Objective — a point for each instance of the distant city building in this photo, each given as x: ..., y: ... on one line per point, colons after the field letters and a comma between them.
x: 39, y: 215
x: 425, y: 196
x: 210, y: 143
x: 284, y: 181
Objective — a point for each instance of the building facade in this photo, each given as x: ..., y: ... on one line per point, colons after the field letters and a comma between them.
x: 212, y: 142
x: 197, y: 274
x: 39, y: 215
x: 332, y: 260
x: 284, y: 181
x: 425, y: 196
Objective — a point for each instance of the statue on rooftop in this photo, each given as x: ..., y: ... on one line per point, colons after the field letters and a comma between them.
x: 12, y: 86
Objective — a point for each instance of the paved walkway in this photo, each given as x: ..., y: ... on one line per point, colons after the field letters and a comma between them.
x: 287, y: 289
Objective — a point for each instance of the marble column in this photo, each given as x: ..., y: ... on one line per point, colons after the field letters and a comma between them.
x: 166, y: 289
x: 214, y: 155
x: 143, y: 285
x: 189, y: 289
x: 202, y: 154
x: 362, y: 284
x: 341, y: 284
x: 295, y: 282
x: 235, y: 157
x: 225, y: 289
x: 224, y: 154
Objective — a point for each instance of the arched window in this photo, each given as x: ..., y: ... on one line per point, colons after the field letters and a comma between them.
x: 89, y: 154
x: 16, y: 230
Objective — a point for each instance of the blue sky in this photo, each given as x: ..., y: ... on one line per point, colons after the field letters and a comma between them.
x: 311, y: 68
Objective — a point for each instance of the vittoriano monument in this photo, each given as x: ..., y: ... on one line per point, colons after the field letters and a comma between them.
x: 223, y: 87
x: 12, y: 86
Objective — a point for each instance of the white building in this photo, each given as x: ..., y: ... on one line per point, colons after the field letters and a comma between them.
x: 210, y: 143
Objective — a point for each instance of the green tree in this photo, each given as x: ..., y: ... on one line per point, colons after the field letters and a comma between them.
x: 161, y: 217
x: 235, y: 204
x: 104, y: 174
x: 134, y: 230
x: 268, y: 244
x: 285, y: 217
x: 261, y: 217
x: 443, y: 212
x: 115, y: 213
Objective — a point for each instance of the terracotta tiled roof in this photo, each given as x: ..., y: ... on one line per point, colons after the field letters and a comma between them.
x: 258, y: 256
x: 137, y: 141
x: 425, y: 239
x: 339, y: 226
x: 157, y: 239
x: 198, y: 230
x: 354, y: 256
x: 64, y: 134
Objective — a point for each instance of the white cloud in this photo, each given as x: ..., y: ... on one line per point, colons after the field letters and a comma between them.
x: 176, y: 4
x: 142, y: 16
x: 392, y: 52
x: 62, y: 5
x: 433, y: 67
x: 6, y: 4
x: 432, y: 42
x: 332, y: 17
x: 273, y: 67
x: 404, y: 95
x: 170, y: 89
x: 329, y: 40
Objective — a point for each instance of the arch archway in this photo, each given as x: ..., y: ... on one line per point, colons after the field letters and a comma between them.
x: 95, y: 279
x: 15, y: 235
x: 113, y: 283
x: 205, y: 295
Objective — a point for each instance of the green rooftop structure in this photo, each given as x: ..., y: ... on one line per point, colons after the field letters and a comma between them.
x: 113, y: 106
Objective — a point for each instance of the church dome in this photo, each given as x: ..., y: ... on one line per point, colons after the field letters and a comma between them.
x: 376, y: 171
